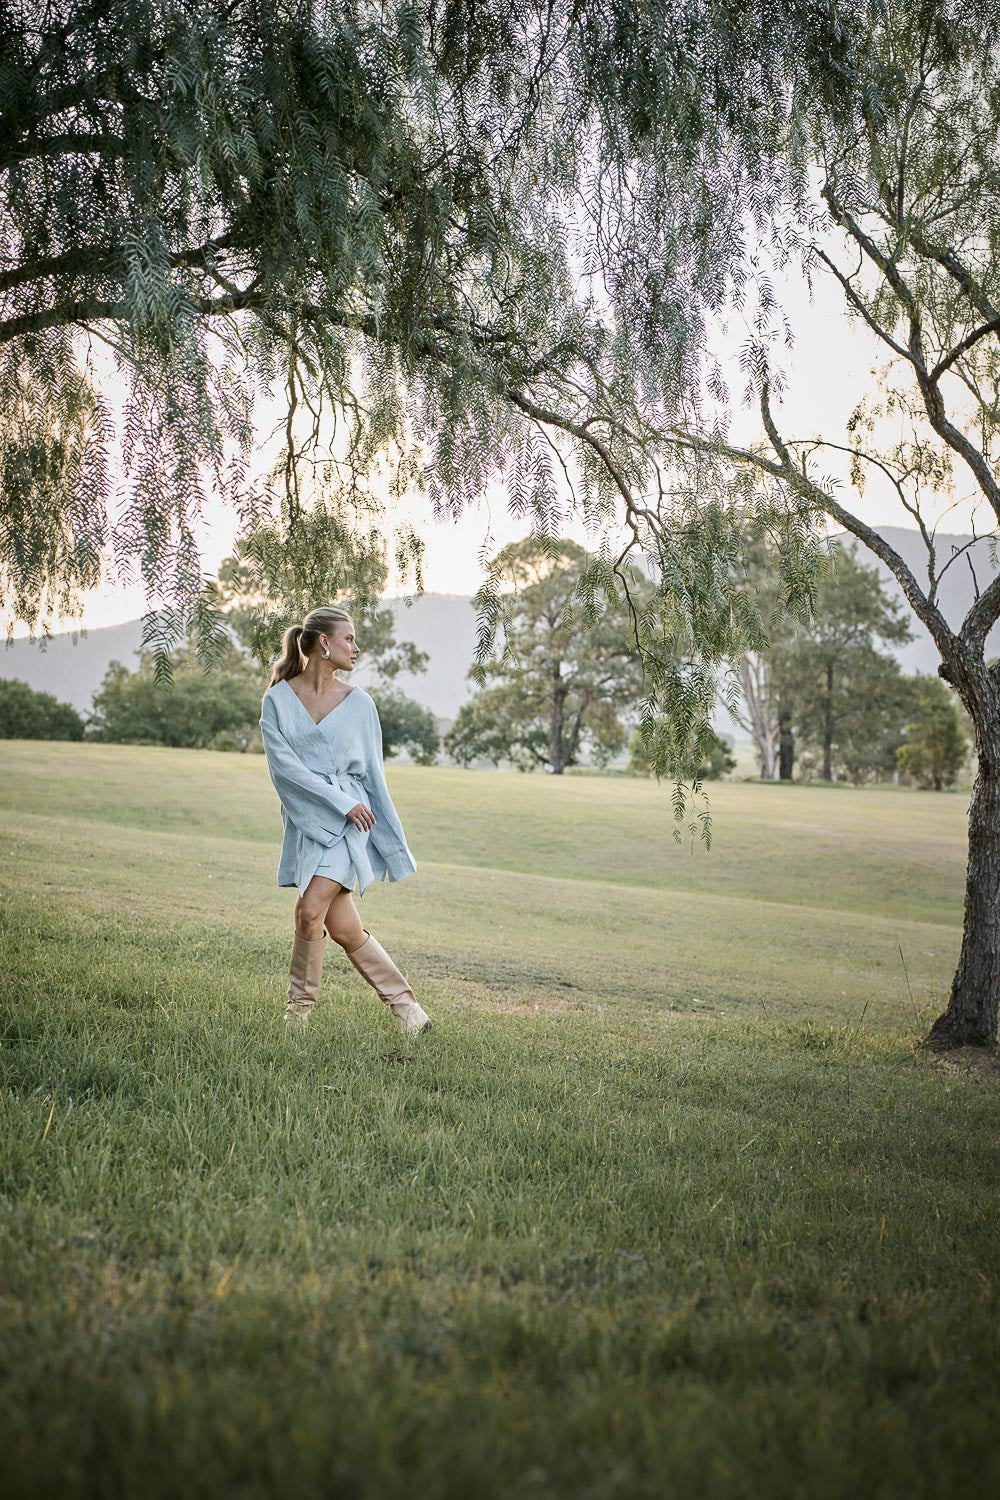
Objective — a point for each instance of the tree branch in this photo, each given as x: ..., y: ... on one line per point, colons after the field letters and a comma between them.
x: 95, y: 260
x: 859, y: 304
x: 982, y: 616
x: 947, y: 258
x: 963, y: 348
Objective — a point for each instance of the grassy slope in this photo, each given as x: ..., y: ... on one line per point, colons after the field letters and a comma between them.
x: 588, y: 1241
x: 535, y: 889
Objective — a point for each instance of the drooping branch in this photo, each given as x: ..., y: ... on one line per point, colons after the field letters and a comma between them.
x: 105, y: 260
x: 70, y: 143
x: 860, y: 305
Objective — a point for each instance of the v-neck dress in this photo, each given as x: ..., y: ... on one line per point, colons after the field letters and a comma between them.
x: 320, y: 771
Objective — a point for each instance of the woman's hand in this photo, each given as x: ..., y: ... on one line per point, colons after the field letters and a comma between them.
x: 362, y: 817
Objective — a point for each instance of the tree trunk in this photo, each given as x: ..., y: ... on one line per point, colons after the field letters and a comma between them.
x: 828, y: 726
x: 971, y: 1017
x: 557, y: 756
x: 786, y: 745
x: 755, y: 680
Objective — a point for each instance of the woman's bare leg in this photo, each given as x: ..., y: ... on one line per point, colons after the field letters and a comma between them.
x: 342, y: 921
x: 308, y: 948
x: 312, y: 906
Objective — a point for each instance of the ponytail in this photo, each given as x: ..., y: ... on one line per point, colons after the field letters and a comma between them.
x: 299, y: 640
x: 291, y: 661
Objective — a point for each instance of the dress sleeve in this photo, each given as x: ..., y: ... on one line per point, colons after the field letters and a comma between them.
x: 312, y: 802
x: 387, y: 835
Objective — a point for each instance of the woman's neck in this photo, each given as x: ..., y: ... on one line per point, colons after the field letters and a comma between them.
x: 318, y: 676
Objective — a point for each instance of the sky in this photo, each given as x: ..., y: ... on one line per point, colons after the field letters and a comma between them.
x: 828, y: 370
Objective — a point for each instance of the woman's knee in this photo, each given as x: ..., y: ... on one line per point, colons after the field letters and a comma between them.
x: 343, y: 923
x: 309, y: 915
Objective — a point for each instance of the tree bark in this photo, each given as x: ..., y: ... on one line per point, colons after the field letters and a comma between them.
x: 557, y: 757
x: 828, y: 726
x: 755, y: 680
x: 786, y: 745
x: 971, y: 1017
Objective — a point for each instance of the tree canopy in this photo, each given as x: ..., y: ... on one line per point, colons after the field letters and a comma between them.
x: 27, y: 714
x: 197, y: 710
x: 558, y: 688
x: 828, y: 679
x: 431, y: 245
x: 937, y: 746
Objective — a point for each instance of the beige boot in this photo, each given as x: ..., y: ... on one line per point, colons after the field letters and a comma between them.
x: 306, y: 973
x: 374, y: 964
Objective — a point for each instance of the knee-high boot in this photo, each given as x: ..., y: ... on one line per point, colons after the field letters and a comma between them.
x: 374, y: 964
x: 304, y: 980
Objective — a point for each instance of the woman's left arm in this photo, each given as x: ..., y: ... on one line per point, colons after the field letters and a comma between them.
x: 387, y: 835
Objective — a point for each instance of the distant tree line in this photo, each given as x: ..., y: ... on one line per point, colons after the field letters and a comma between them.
x: 193, y: 708
x: 827, y: 699
x: 553, y: 694
x: 824, y: 698
x: 26, y: 714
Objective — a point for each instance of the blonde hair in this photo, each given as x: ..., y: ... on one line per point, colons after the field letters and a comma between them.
x: 299, y: 641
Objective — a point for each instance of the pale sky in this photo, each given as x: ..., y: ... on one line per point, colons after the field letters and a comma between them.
x: 828, y: 370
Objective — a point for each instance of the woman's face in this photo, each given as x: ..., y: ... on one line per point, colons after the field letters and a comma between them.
x: 342, y: 646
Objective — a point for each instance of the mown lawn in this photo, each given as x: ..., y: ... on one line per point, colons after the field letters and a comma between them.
x: 669, y: 1203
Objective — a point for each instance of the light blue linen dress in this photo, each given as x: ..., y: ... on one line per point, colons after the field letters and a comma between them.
x: 320, y: 771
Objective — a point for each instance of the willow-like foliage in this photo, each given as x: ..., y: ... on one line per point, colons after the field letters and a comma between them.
x: 435, y: 244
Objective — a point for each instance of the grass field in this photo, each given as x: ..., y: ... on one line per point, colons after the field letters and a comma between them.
x: 669, y: 1203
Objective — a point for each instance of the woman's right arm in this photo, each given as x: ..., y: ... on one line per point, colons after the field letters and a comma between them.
x: 310, y: 801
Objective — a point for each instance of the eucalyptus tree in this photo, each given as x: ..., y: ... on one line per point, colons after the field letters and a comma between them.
x: 556, y: 689
x: 843, y: 694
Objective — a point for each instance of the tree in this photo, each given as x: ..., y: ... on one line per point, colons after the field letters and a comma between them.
x: 196, y: 710
x: 937, y: 746
x: 904, y: 223
x: 499, y: 725
x: 840, y: 692
x: 407, y: 725
x: 766, y: 716
x: 761, y: 716
x: 26, y: 714
x: 261, y: 593
x: 821, y: 683
x: 560, y: 690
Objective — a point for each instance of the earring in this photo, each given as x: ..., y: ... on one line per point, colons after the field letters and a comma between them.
x: 325, y: 654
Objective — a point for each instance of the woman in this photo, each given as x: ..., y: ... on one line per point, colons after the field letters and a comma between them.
x: 324, y: 752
